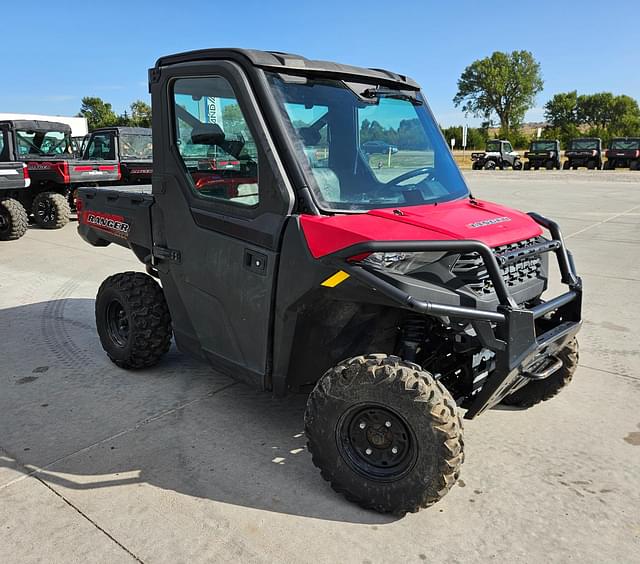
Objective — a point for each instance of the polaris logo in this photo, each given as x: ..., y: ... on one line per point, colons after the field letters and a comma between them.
x: 486, y: 222
x: 108, y: 223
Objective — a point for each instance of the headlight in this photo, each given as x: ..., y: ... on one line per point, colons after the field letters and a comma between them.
x: 401, y: 263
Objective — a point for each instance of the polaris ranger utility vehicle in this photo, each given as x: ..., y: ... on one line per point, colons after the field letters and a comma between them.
x: 390, y: 295
x: 583, y: 152
x: 46, y: 148
x: 543, y: 153
x: 623, y: 152
x: 130, y: 146
x: 498, y: 154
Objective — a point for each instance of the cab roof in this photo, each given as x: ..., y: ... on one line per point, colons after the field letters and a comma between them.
x: 125, y: 130
x: 37, y: 125
x: 286, y: 62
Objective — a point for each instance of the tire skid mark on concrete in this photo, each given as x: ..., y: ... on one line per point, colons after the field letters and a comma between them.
x: 57, y: 337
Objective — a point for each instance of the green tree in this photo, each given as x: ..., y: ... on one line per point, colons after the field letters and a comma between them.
x: 140, y: 114
x: 98, y: 112
x: 561, y: 113
x: 504, y: 84
x: 596, y: 110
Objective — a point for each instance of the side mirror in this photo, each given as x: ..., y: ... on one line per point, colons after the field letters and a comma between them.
x: 207, y: 134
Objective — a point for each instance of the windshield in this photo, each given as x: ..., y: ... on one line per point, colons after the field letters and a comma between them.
x: 365, y: 148
x: 43, y: 143
x: 626, y: 144
x: 543, y: 146
x: 135, y: 146
x: 583, y: 144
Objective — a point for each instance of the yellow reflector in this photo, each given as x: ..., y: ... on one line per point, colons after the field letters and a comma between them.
x: 336, y: 279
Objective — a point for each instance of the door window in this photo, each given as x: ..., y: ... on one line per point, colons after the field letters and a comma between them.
x: 214, y: 141
x: 101, y: 147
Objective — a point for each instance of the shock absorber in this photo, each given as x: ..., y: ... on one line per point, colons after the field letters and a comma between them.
x: 413, y: 333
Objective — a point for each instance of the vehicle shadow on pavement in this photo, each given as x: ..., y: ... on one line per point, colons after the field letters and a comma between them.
x: 77, y: 422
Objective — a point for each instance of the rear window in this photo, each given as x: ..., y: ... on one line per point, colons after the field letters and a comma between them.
x: 543, y: 146
x: 583, y: 144
x: 43, y: 143
x: 136, y: 146
x: 626, y: 144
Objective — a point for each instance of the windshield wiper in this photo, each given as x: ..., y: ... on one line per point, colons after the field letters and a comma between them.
x: 379, y: 92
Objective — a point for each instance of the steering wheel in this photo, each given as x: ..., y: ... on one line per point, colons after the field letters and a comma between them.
x: 411, y: 174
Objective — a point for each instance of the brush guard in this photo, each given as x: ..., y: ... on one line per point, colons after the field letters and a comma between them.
x: 510, y: 332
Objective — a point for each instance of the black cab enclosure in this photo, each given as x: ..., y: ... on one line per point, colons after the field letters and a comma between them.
x: 623, y: 152
x: 543, y: 153
x: 131, y: 147
x: 584, y: 151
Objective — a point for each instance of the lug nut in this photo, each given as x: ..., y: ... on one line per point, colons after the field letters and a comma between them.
x: 394, y: 450
x: 387, y: 424
x: 368, y: 451
x: 362, y: 425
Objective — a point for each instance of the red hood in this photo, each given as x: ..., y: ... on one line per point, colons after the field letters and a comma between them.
x: 490, y: 223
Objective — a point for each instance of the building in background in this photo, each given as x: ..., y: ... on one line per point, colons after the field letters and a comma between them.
x: 78, y: 124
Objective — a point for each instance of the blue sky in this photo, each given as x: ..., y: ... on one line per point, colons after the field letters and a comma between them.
x: 57, y: 52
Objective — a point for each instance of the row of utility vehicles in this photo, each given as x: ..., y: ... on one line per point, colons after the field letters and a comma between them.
x: 623, y: 152
x: 392, y: 297
x: 39, y: 171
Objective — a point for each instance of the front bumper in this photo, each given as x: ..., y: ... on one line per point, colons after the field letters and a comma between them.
x: 512, y: 332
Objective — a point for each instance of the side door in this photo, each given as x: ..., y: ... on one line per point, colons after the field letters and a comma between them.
x: 507, y: 153
x: 222, y: 199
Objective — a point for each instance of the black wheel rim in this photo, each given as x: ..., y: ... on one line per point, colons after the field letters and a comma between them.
x: 5, y: 221
x: 46, y: 212
x: 376, y: 442
x: 117, y: 323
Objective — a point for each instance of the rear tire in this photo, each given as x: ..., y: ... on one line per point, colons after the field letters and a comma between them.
x: 566, y: 166
x: 14, y: 220
x: 527, y: 166
x: 363, y: 409
x: 133, y: 320
x: 50, y: 210
x: 490, y: 165
x: 537, y: 391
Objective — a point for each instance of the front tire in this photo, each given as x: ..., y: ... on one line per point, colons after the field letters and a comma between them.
x: 51, y: 210
x: 133, y: 320
x: 517, y: 165
x: 537, y: 391
x: 385, y: 434
x: 13, y: 220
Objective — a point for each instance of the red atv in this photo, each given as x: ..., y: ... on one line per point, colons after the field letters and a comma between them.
x: 387, y: 293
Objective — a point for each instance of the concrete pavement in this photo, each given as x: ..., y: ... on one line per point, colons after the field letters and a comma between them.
x: 179, y: 464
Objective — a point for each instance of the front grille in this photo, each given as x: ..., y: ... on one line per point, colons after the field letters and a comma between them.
x: 469, y: 268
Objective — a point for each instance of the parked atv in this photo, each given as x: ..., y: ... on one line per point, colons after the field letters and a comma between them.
x: 543, y: 153
x: 584, y: 152
x: 499, y: 154
x: 623, y: 152
x: 389, y: 293
x: 46, y: 149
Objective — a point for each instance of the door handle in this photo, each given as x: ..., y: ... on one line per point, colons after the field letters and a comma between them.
x: 255, y: 261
